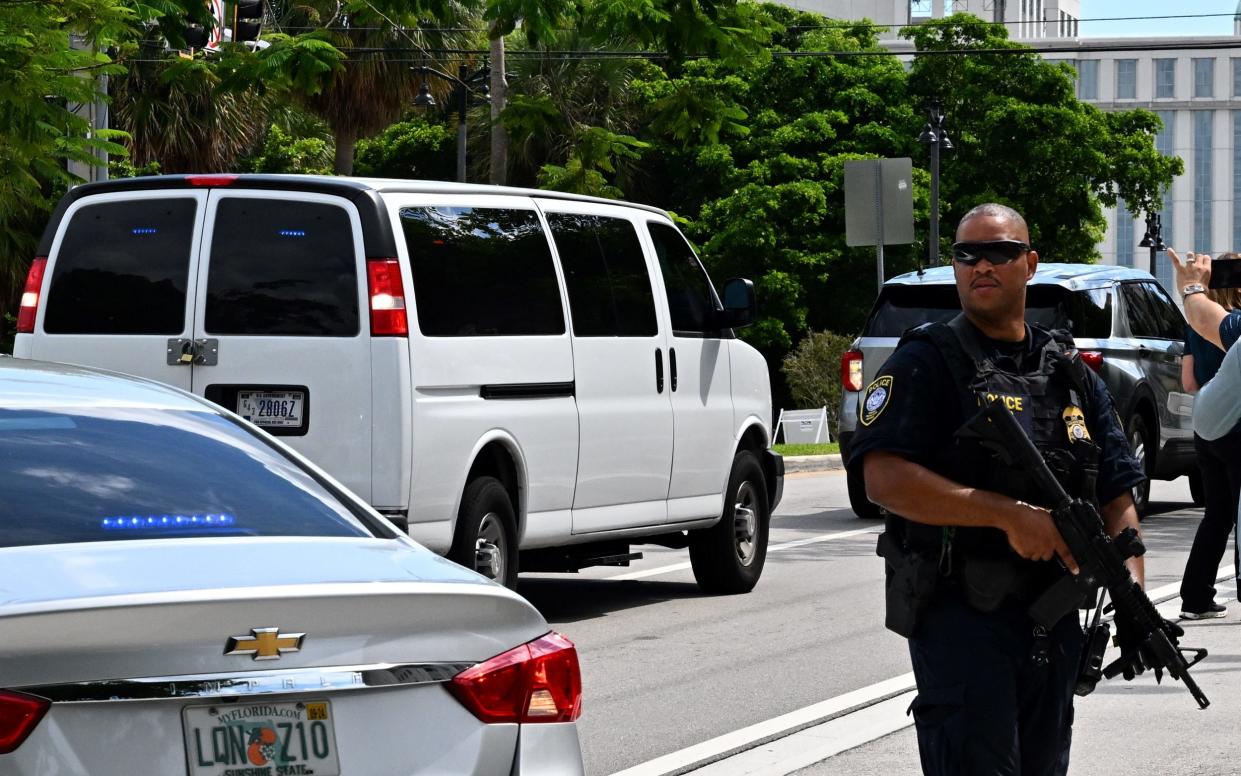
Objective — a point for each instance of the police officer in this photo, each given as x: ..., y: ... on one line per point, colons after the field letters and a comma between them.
x: 968, y: 547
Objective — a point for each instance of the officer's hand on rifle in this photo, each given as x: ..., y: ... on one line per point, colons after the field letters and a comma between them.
x: 1132, y: 642
x: 1032, y: 534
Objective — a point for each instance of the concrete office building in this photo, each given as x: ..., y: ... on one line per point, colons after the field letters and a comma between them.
x: 1033, y: 19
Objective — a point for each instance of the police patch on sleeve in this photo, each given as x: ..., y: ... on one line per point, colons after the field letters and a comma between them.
x: 875, y: 400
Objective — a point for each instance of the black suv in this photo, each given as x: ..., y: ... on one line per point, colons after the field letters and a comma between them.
x: 1125, y: 324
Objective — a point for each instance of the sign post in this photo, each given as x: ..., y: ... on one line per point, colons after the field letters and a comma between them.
x: 879, y: 205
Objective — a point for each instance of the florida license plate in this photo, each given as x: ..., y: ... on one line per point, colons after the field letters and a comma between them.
x: 280, y: 409
x: 261, y: 739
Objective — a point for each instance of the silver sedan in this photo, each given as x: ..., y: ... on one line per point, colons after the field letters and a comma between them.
x: 182, y: 594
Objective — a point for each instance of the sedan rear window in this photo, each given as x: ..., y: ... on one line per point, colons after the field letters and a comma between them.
x: 1086, y: 314
x: 107, y: 474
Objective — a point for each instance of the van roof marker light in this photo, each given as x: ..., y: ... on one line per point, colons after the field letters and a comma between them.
x: 211, y: 180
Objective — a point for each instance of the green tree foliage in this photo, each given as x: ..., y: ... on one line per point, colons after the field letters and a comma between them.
x: 41, y: 77
x: 414, y: 148
x: 1023, y: 139
x: 284, y: 153
x: 812, y: 372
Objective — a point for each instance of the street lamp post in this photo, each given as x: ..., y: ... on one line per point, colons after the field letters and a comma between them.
x: 461, y: 92
x: 1153, y: 238
x: 936, y: 136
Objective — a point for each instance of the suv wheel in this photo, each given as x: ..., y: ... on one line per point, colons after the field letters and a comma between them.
x: 862, y: 506
x: 1139, y: 442
x: 485, y: 532
x: 728, y: 557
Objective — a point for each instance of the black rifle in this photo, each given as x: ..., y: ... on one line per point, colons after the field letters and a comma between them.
x: 1101, y: 559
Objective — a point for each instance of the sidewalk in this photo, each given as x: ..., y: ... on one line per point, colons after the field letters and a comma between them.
x: 1123, y: 728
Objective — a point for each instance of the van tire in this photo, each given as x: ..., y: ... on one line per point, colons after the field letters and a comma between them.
x: 486, y: 529
x: 728, y: 557
x: 1140, y: 444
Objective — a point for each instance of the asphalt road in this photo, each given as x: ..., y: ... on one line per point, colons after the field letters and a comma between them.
x: 665, y: 667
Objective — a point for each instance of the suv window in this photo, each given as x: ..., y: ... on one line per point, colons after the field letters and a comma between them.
x: 282, y: 267
x: 103, y: 474
x: 1152, y: 315
x: 1086, y: 314
x: 691, y: 299
x: 605, y: 275
x: 122, y: 268
x: 481, y: 272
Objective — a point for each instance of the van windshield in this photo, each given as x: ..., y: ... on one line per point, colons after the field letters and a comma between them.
x: 1086, y: 314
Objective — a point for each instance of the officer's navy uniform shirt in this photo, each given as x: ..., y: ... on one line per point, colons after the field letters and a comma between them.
x: 921, y: 410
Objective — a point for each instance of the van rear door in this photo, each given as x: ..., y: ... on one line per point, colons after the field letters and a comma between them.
x: 282, y: 338
x: 118, y: 289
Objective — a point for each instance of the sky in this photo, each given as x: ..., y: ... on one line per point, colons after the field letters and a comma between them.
x: 1111, y: 9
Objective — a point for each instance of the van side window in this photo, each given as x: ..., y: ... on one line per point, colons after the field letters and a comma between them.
x: 482, y: 272
x: 282, y: 267
x: 691, y: 299
x: 606, y: 276
x: 122, y: 268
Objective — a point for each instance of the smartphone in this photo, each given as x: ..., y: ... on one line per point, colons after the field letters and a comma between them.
x: 1226, y: 273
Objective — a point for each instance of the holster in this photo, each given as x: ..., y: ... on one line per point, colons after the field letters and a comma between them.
x: 910, y: 581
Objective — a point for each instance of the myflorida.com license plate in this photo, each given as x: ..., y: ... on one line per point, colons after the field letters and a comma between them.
x: 261, y: 739
x: 279, y: 409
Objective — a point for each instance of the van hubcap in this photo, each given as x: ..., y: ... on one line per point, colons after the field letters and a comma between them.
x: 489, y: 547
x: 745, y: 523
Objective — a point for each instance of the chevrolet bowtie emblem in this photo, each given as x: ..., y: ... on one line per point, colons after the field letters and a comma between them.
x: 264, y: 643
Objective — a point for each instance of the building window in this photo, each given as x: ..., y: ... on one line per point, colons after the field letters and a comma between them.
x: 1165, y: 78
x: 1124, y: 234
x: 1203, y: 148
x: 1165, y: 143
x: 1236, y: 177
x: 1204, y: 77
x: 1236, y: 76
x: 1088, y: 79
x: 1126, y: 79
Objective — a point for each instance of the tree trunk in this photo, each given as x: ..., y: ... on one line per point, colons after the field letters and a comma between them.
x: 346, y: 139
x: 499, y: 98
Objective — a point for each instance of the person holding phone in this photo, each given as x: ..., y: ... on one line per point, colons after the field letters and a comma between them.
x: 1212, y: 304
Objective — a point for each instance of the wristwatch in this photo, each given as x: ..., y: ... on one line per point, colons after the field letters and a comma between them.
x: 1193, y: 288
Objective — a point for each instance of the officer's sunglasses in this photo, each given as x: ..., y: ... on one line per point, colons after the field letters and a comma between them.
x: 995, y: 251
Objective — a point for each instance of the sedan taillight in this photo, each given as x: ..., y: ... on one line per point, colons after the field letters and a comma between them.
x: 1092, y: 359
x: 851, y: 370
x: 19, y: 715
x: 536, y: 682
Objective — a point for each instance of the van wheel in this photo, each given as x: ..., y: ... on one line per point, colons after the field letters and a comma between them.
x: 862, y: 506
x: 728, y: 557
x: 1139, y: 443
x: 485, y: 541
x: 1195, y: 489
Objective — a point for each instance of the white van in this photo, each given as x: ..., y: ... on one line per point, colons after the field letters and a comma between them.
x: 498, y: 370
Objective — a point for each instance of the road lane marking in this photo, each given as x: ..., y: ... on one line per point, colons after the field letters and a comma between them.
x: 768, y: 730
x: 783, y: 745
x: 660, y: 570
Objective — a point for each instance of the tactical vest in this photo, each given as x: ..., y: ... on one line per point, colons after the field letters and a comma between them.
x: 1051, y: 402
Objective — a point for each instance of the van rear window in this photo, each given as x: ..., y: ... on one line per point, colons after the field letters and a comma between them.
x: 1086, y: 314
x: 122, y: 268
x: 282, y: 267
x: 482, y: 272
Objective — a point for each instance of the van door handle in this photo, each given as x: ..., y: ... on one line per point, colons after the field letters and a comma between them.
x: 672, y: 363
x: 659, y: 370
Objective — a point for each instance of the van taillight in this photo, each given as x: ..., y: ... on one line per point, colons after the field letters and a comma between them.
x: 1092, y: 359
x: 30, y: 296
x: 19, y: 715
x: 388, y: 318
x: 851, y: 370
x: 536, y: 682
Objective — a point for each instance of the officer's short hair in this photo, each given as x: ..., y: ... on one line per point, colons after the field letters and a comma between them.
x: 994, y: 210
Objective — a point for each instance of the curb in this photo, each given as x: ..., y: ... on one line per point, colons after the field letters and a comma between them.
x: 812, y: 463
